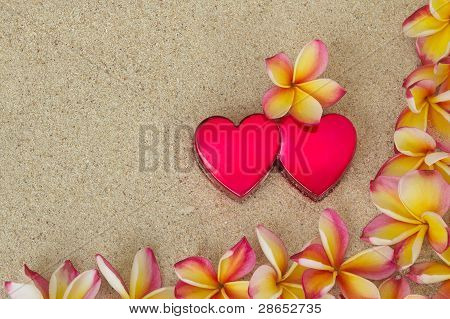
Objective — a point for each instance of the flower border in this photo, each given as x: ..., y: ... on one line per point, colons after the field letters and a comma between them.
x: 411, y: 190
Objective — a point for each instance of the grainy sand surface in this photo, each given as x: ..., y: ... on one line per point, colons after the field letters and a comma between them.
x: 78, y: 79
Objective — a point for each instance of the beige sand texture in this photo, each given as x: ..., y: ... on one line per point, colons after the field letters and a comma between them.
x: 79, y: 78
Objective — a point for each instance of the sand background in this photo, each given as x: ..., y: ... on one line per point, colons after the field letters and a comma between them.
x: 79, y: 78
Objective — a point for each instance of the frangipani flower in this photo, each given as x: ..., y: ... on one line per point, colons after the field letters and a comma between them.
x: 145, y: 278
x: 325, y: 262
x: 417, y: 151
x: 297, y: 90
x: 431, y: 26
x: 395, y: 287
x: 199, y: 280
x: 428, y: 110
x: 280, y: 280
x: 429, y: 272
x: 412, y: 208
x: 438, y: 73
x: 65, y: 283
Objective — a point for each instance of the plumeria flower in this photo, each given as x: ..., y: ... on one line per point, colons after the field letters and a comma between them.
x: 412, y: 208
x: 430, y: 273
x: 428, y: 110
x: 65, y: 283
x: 280, y: 280
x: 325, y: 262
x: 397, y: 287
x: 298, y: 91
x: 431, y: 26
x: 145, y: 278
x: 438, y: 73
x: 417, y: 150
x: 199, y: 280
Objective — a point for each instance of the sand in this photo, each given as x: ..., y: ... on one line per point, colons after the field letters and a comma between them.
x: 79, y: 80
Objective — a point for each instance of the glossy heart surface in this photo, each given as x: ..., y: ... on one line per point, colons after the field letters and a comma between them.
x: 237, y: 158
x: 315, y: 158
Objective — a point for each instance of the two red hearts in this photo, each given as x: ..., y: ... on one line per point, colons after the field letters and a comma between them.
x: 238, y: 158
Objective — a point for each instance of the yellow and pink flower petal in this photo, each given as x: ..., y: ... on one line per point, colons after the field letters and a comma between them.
x: 413, y: 142
x: 237, y: 262
x: 292, y: 291
x: 305, y: 108
x: 422, y: 23
x: 40, y: 282
x: 313, y: 256
x: 161, y: 293
x: 356, y: 287
x: 444, y: 169
x: 442, y: 71
x: 112, y: 276
x: 434, y: 157
x: 317, y: 283
x: 437, y: 231
x: 440, y: 9
x: 197, y: 271
x: 429, y: 273
x: 384, y: 194
x: 145, y: 274
x: 410, y: 119
x: 280, y: 70
x: 433, y: 48
x: 274, y: 249
x: 236, y: 289
x: 444, y: 291
x: 294, y: 274
x: 326, y: 91
x: 399, y: 165
x: 277, y: 102
x: 311, y: 62
x: 445, y: 256
x: 22, y: 291
x: 60, y: 280
x: 334, y: 236
x: 394, y: 288
x: 439, y: 126
x: 424, y: 191
x: 425, y: 72
x: 374, y: 263
x: 186, y: 291
x: 408, y: 250
x: 85, y: 286
x: 263, y: 284
x: 442, y: 97
x: 384, y: 230
x: 416, y: 95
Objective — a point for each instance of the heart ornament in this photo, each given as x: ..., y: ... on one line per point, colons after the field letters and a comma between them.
x: 237, y: 158
x: 314, y: 158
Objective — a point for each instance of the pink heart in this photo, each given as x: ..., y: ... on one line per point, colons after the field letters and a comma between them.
x: 237, y: 158
x: 315, y: 158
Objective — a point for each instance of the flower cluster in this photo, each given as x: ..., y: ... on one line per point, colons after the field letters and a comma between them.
x: 411, y: 191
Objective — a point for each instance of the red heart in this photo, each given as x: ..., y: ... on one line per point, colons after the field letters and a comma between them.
x: 237, y: 158
x: 315, y: 158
